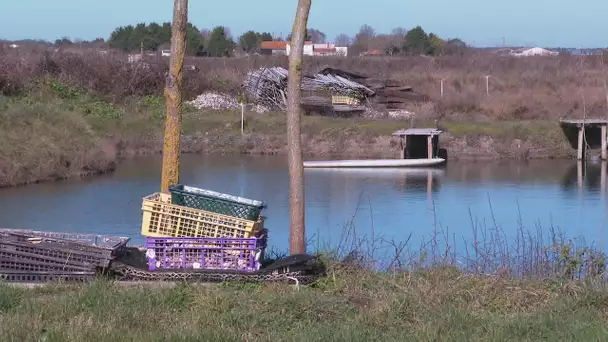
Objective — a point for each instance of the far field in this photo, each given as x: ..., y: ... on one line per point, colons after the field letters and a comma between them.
x: 69, y: 114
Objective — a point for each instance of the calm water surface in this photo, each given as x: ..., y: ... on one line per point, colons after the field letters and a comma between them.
x: 392, y: 204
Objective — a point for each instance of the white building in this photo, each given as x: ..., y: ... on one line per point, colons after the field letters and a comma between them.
x: 327, y: 49
x: 536, y: 51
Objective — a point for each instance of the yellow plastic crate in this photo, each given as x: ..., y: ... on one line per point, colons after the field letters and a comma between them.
x: 163, y: 219
x: 345, y: 100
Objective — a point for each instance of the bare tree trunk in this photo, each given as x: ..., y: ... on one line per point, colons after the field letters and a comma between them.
x: 297, y: 233
x: 173, y: 96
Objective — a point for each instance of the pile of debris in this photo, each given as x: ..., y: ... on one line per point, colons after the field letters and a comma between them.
x: 214, y: 101
x: 217, y: 101
x: 268, y: 86
x: 348, y: 92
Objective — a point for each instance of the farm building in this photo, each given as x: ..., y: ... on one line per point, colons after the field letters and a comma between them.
x: 277, y: 48
x: 536, y: 51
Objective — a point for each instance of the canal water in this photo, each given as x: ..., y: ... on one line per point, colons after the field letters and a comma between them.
x: 370, y: 205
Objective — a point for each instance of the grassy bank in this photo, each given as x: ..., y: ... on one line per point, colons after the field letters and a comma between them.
x: 52, y: 131
x: 440, y: 304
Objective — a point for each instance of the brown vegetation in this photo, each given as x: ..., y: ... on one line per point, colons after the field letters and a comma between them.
x: 534, y: 88
x: 85, y: 110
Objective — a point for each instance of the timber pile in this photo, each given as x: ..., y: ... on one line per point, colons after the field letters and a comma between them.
x: 268, y: 87
x: 393, y: 95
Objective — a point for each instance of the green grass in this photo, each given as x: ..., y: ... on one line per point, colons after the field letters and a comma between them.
x: 432, y: 305
x: 55, y: 131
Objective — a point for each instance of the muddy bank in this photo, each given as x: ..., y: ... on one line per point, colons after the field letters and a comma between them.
x: 104, y: 157
x: 352, y: 146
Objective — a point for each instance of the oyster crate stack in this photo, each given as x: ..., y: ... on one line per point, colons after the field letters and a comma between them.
x: 193, y: 228
x: 34, y: 256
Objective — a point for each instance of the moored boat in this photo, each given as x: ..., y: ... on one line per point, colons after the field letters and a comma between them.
x: 419, y: 148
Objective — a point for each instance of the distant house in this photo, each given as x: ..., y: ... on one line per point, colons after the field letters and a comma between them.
x: 278, y: 48
x: 536, y: 51
x: 273, y: 48
x: 585, y: 52
x: 329, y: 49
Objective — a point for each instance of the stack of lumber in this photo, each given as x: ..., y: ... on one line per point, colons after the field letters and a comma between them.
x: 392, y: 94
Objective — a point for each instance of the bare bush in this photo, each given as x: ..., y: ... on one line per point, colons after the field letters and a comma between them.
x: 519, y: 88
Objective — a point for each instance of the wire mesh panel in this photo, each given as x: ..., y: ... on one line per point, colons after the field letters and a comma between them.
x: 49, y: 246
x: 32, y: 262
x: 44, y: 277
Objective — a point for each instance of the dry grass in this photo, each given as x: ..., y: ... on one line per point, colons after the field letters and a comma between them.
x: 539, y: 88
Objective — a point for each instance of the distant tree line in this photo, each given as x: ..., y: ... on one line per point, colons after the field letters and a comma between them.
x: 401, y: 42
x: 132, y: 38
x: 219, y: 42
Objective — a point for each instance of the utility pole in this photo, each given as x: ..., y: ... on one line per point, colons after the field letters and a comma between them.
x: 173, y: 96
x: 297, y: 229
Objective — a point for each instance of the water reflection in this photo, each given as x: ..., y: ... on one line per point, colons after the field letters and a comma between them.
x: 404, y: 180
x: 586, y: 176
x: 397, y: 202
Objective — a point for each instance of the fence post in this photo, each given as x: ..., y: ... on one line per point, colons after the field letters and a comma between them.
x: 242, y: 118
x: 487, y: 85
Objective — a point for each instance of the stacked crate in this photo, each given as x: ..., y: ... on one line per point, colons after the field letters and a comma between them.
x: 33, y: 256
x: 194, y: 228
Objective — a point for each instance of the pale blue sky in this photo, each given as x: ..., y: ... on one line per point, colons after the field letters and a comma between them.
x: 550, y: 23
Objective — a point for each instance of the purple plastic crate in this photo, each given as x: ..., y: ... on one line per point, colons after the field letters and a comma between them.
x: 239, y: 254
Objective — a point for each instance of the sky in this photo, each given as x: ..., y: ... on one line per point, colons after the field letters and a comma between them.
x: 484, y: 23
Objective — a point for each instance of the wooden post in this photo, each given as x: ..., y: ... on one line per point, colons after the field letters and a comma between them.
x: 173, y: 97
x: 579, y: 175
x: 242, y: 118
x: 429, y: 143
x: 604, y: 152
x: 429, y: 184
x: 581, y: 143
x: 603, y: 177
x: 487, y: 86
x: 403, y: 145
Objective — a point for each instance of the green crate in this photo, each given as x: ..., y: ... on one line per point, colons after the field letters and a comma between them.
x: 216, y: 202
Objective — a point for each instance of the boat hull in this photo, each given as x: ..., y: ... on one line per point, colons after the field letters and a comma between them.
x: 374, y: 163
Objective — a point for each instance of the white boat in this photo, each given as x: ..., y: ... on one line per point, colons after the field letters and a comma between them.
x: 419, y: 147
x: 380, y: 172
x: 374, y: 163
